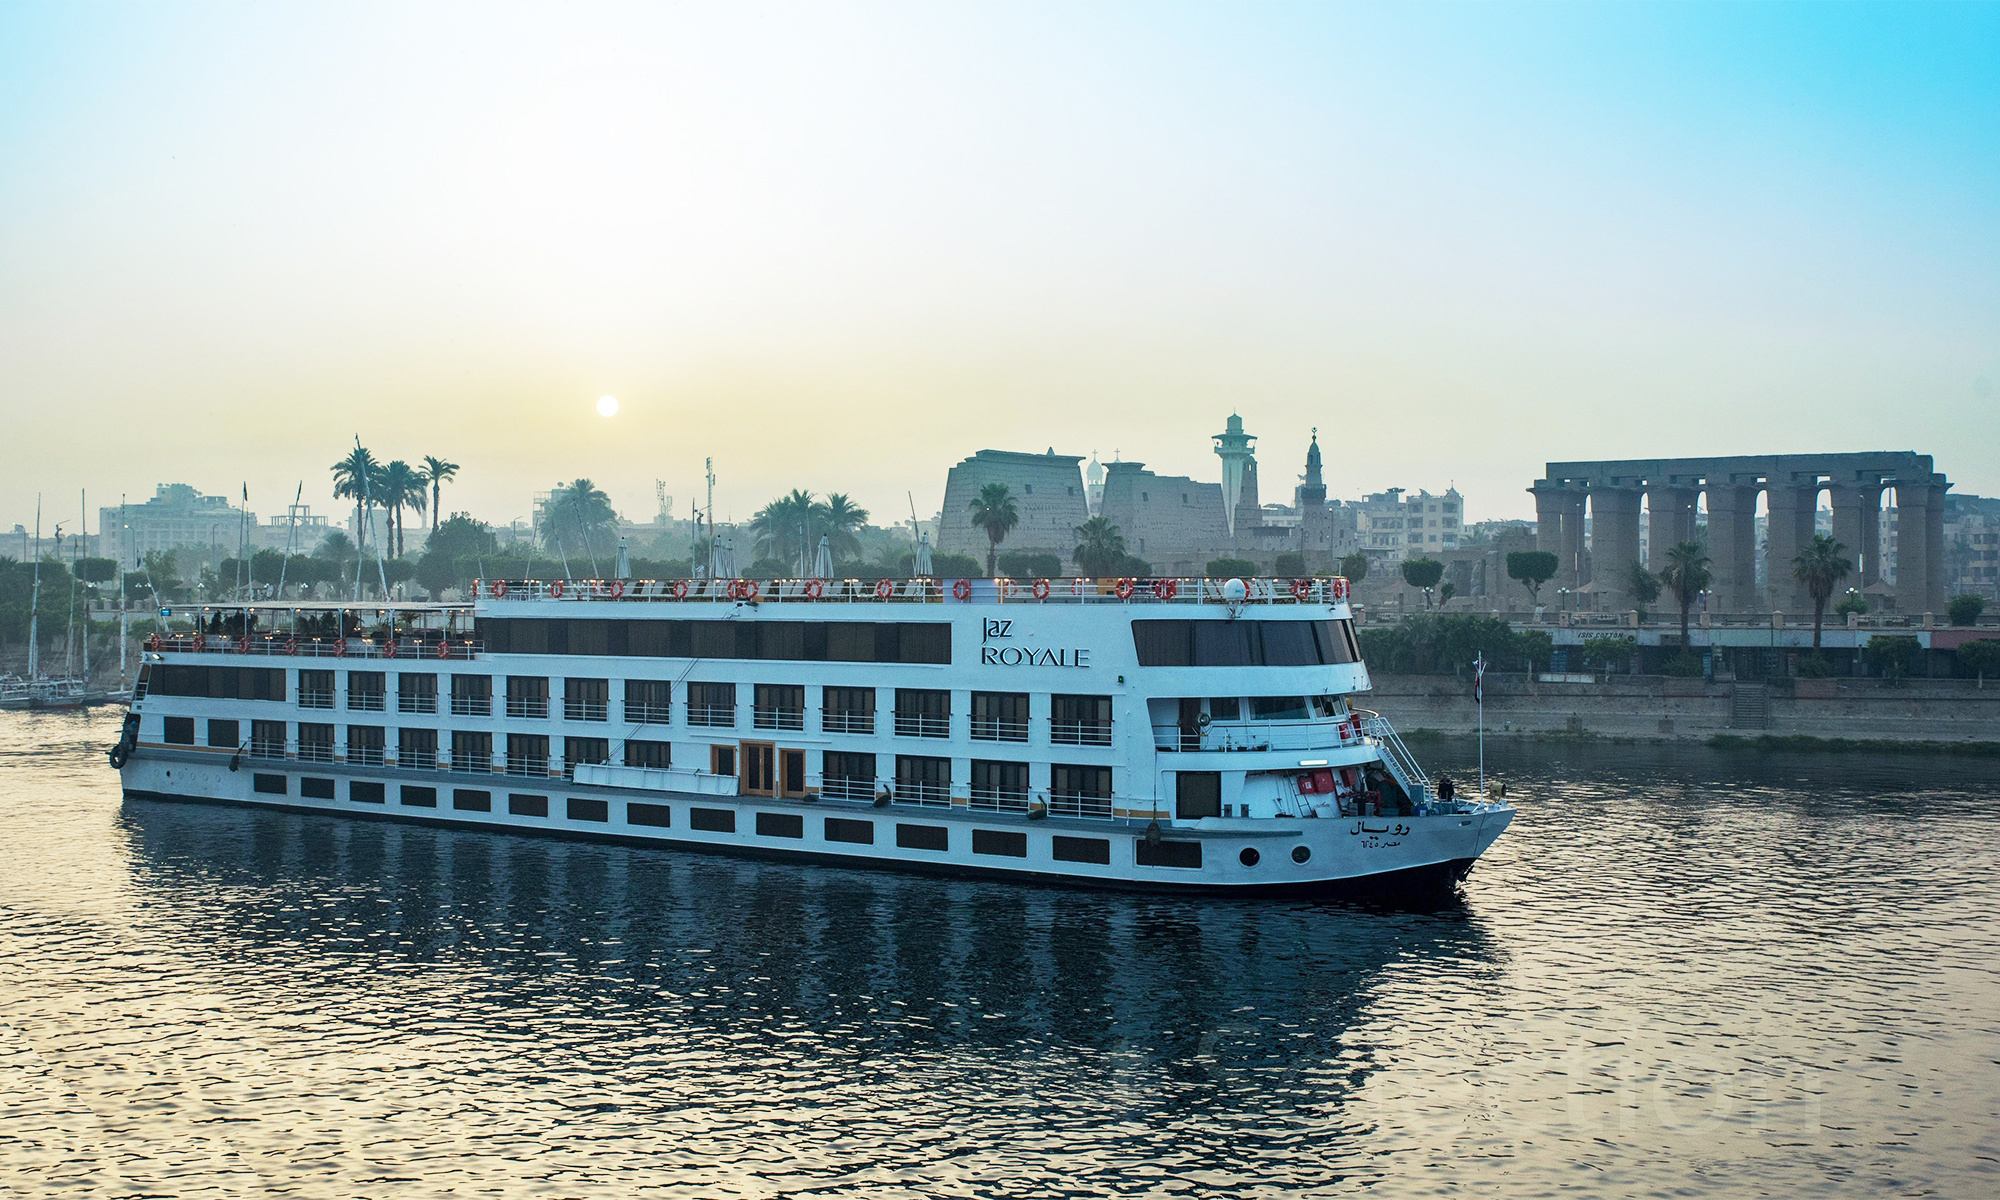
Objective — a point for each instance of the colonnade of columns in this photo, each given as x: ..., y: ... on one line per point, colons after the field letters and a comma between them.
x: 1601, y: 563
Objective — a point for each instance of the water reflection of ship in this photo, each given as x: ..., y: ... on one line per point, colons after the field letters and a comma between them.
x: 652, y: 943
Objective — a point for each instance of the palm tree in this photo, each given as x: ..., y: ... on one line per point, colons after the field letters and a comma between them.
x: 398, y: 487
x: 1099, y: 546
x: 1819, y: 566
x: 578, y: 515
x: 839, y: 517
x: 993, y: 511
x: 784, y: 523
x: 435, y: 472
x: 1686, y: 576
x: 352, y: 479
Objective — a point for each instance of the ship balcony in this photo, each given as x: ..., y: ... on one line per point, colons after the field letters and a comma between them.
x: 532, y: 707
x: 587, y: 710
x: 846, y: 720
x: 469, y: 706
x: 1325, y: 733
x: 922, y: 725
x: 1080, y: 733
x: 712, y: 716
x: 528, y: 764
x: 777, y: 717
x: 992, y: 799
x: 649, y: 714
x: 993, y: 729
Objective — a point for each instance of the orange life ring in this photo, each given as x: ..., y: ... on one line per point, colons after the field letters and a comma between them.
x: 555, y: 589
x: 961, y: 588
x: 340, y: 646
x: 291, y: 645
x: 750, y: 589
x: 444, y: 649
x: 1123, y: 589
x: 1041, y: 589
x: 499, y: 589
x: 884, y: 589
x: 680, y: 589
x: 1301, y: 588
x: 153, y: 642
x: 1166, y: 589
x: 1339, y: 588
x: 389, y: 648
x: 243, y: 644
x: 617, y: 589
x: 813, y: 589
x: 201, y: 641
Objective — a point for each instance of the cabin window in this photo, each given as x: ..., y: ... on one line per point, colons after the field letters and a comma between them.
x: 527, y: 696
x: 1080, y: 720
x: 315, y: 689
x: 658, y: 816
x: 587, y: 699
x: 413, y: 796
x: 416, y: 749
x: 923, y: 837
x: 722, y: 760
x: 1079, y: 791
x: 1000, y: 716
x: 799, y: 641
x: 527, y: 754
x: 1166, y: 854
x: 222, y: 733
x: 1184, y: 643
x: 365, y: 690
x: 847, y: 776
x: 779, y: 706
x: 267, y: 739
x: 712, y: 704
x: 471, y: 800
x: 579, y: 752
x: 1278, y: 708
x: 649, y: 701
x: 471, y: 695
x: 654, y: 756
x: 417, y: 692
x: 847, y: 710
x: 999, y: 786
x: 178, y: 731
x: 923, y: 712
x: 582, y: 808
x: 522, y: 805
x: 1001, y: 842
x: 784, y: 825
x: 471, y: 751
x: 712, y: 820
x: 1225, y: 708
x: 923, y: 780
x: 365, y: 744
x: 366, y: 791
x: 315, y: 742
x: 1080, y: 850
x: 847, y: 829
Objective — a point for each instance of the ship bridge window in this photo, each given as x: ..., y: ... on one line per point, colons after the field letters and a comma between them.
x: 219, y: 683
x: 1244, y: 643
x: 1278, y: 708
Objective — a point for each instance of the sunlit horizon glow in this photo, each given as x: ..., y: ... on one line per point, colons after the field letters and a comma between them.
x: 842, y: 247
x: 607, y: 406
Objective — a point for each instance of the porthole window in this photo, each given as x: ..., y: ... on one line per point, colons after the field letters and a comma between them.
x: 1249, y: 857
x: 1301, y: 853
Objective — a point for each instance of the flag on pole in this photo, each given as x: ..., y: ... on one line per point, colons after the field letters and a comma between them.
x: 1479, y: 678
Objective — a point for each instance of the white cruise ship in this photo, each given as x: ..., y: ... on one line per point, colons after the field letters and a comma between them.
x: 1158, y: 734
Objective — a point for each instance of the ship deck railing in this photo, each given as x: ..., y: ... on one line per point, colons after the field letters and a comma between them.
x: 1128, y: 590
x: 1317, y: 733
x: 286, y: 646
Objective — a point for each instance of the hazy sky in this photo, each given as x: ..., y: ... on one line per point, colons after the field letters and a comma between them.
x: 841, y: 246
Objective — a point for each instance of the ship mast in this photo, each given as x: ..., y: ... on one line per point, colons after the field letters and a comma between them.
x: 35, y: 597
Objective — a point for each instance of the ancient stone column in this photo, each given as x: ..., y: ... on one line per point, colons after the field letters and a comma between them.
x: 1614, y: 543
x: 1913, y: 569
x: 1548, y: 518
x: 1847, y: 504
x: 1868, y: 568
x: 1671, y: 520
x: 1788, y: 530
x: 1934, y: 558
x: 1732, y: 543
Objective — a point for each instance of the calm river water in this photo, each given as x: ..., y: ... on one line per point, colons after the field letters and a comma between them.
x: 1682, y: 973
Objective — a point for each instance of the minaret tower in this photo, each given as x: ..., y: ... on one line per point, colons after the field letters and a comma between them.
x: 1093, y: 486
x: 1312, y: 489
x: 1236, y: 449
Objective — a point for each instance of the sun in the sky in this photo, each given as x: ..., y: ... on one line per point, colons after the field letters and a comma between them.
x: 607, y: 406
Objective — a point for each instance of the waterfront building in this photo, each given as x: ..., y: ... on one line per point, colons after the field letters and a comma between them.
x: 177, y: 516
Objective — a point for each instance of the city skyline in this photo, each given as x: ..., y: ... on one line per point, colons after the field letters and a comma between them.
x: 842, y: 250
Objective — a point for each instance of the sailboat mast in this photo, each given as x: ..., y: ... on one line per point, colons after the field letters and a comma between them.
x: 35, y: 598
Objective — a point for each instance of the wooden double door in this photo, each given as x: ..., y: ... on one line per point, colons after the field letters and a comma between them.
x: 766, y: 769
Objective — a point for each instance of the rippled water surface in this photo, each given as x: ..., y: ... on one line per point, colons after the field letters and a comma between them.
x: 1681, y: 973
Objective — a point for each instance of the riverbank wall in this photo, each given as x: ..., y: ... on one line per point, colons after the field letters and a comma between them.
x: 1656, y: 708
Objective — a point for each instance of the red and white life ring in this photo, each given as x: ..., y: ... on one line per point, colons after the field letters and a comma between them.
x: 1122, y: 589
x: 291, y: 645
x: 153, y: 642
x: 750, y: 590
x: 340, y: 647
x: 243, y: 645
x: 1166, y: 589
x: 444, y: 649
x: 813, y: 589
x: 680, y: 589
x: 200, y: 641
x: 884, y: 589
x: 555, y: 589
x: 617, y: 589
x: 389, y: 648
x: 960, y: 588
x: 499, y: 589
x: 1339, y: 588
x: 1301, y: 588
x: 1041, y: 589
